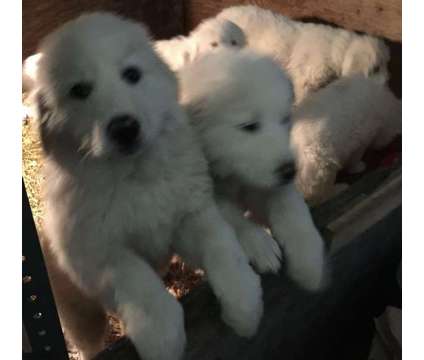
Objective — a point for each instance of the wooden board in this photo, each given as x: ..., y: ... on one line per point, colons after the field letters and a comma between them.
x: 377, y: 17
x: 163, y: 17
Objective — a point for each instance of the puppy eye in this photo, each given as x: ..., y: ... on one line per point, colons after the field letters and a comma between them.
x: 285, y: 120
x: 233, y: 42
x: 250, y: 127
x: 214, y: 44
x: 375, y: 69
x: 131, y: 75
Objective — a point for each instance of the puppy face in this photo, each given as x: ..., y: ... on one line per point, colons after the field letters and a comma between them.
x: 105, y: 91
x: 367, y: 56
x: 214, y: 34
x: 240, y: 104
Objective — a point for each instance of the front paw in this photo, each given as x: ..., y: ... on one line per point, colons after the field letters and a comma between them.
x: 243, y: 308
x: 310, y: 271
x: 261, y: 249
x: 162, y: 337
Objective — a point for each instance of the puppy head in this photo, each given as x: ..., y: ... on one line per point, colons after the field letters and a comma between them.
x: 368, y: 56
x: 240, y: 104
x: 214, y: 34
x: 101, y: 89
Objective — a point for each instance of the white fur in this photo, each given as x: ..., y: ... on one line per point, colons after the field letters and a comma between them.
x: 225, y: 94
x: 29, y: 71
x: 209, y: 35
x: 313, y: 54
x: 176, y: 52
x: 334, y: 127
x: 113, y: 219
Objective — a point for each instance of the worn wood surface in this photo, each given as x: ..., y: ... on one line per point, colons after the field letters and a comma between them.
x: 39, y: 17
x: 378, y: 17
x: 335, y: 324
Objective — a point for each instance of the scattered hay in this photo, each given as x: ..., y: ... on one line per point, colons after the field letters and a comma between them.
x: 32, y: 163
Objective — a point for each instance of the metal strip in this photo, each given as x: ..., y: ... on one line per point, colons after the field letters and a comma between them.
x: 40, y: 318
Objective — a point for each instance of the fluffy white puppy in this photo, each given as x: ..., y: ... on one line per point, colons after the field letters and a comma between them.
x: 313, y: 54
x: 333, y: 127
x: 209, y: 35
x: 240, y: 103
x: 127, y: 185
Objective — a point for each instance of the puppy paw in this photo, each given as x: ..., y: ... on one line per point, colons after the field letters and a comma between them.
x: 161, y: 337
x: 243, y: 312
x: 261, y: 249
x: 310, y: 271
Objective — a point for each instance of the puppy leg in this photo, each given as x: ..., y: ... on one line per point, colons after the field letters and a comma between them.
x: 205, y: 239
x: 316, y: 180
x: 83, y: 318
x: 152, y: 317
x: 292, y: 226
x: 260, y: 248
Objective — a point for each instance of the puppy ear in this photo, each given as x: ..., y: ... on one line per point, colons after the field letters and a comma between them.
x: 38, y: 106
x: 43, y: 114
x: 30, y: 71
x: 235, y: 29
x: 43, y: 111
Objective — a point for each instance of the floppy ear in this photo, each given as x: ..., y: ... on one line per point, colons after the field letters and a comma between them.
x: 42, y: 109
x: 235, y: 29
x: 29, y: 71
x: 43, y: 113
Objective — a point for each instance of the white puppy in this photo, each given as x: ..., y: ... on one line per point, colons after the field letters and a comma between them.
x: 334, y: 127
x: 240, y: 105
x: 208, y: 36
x: 127, y: 184
x: 313, y: 54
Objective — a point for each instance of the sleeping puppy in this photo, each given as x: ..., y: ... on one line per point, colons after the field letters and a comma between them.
x: 239, y: 103
x: 334, y: 127
x: 313, y: 54
x: 208, y: 36
x: 126, y: 186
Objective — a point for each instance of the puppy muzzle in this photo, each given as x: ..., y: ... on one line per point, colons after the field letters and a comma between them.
x: 125, y: 133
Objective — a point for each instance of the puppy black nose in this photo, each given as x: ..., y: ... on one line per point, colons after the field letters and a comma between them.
x: 124, y: 130
x: 287, y: 172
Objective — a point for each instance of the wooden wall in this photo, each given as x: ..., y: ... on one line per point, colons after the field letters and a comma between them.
x: 39, y: 17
